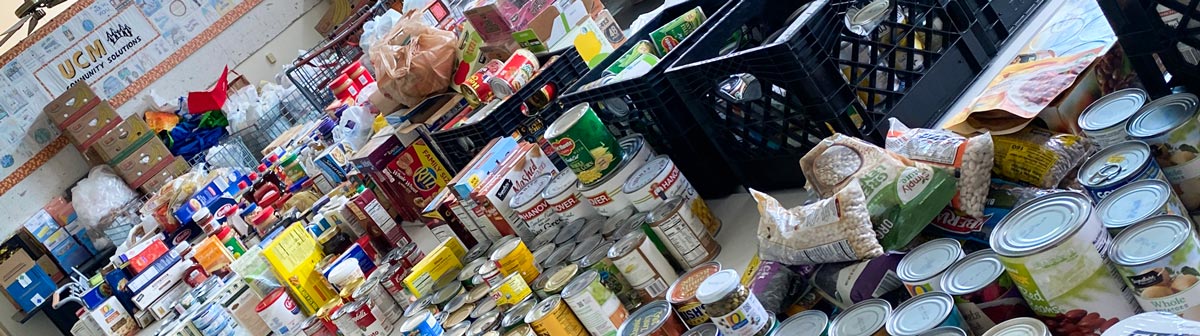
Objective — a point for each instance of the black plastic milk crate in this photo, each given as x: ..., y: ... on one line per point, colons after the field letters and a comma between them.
x: 462, y: 143
x: 649, y: 105
x: 989, y: 23
x: 1160, y: 39
x: 913, y: 66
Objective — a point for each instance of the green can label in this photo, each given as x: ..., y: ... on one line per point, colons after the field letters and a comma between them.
x: 582, y: 141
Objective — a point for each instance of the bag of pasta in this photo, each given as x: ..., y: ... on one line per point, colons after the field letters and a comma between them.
x: 969, y: 158
x: 902, y: 195
x: 833, y: 229
x: 1038, y: 156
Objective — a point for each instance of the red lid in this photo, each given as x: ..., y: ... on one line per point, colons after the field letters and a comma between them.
x: 227, y: 210
x: 262, y: 215
x: 269, y: 300
x: 262, y: 167
x: 269, y: 197
x: 223, y: 232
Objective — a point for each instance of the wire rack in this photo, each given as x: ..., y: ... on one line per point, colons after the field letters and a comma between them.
x: 313, y: 72
x: 292, y: 110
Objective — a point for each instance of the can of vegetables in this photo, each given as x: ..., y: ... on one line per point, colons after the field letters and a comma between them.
x: 1158, y: 258
x: 586, y: 145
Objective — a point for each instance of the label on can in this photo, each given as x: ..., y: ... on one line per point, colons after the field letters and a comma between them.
x: 1168, y: 283
x: 513, y: 290
x: 598, y: 309
x: 1181, y: 166
x: 519, y: 260
x: 682, y: 236
x: 608, y: 203
x: 586, y: 145
x: 556, y: 319
x: 747, y: 320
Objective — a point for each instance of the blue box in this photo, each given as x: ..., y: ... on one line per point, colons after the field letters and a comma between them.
x: 25, y: 281
x: 70, y: 254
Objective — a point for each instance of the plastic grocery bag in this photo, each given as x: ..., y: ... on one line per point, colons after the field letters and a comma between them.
x: 834, y: 229
x: 99, y: 194
x: 902, y: 195
x: 414, y: 60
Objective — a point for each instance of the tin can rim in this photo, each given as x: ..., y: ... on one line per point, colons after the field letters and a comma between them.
x: 1162, y: 194
x: 1092, y: 172
x: 880, y: 311
x: 935, y: 256
x: 580, y: 284
x: 543, y: 309
x: 614, y: 222
x: 664, y: 210
x: 627, y: 244
x: 1168, y: 233
x: 636, y: 318
x: 556, y: 281
x: 673, y: 290
x: 507, y: 247
x: 1100, y: 114
x: 531, y: 192
x: 1076, y: 211
x: 557, y: 186
x: 945, y: 331
x: 596, y: 255
x: 806, y: 323
x: 516, y: 314
x: 646, y: 174
x: 1021, y: 326
x: 585, y: 247
x: 961, y: 278
x: 900, y: 323
x: 1138, y: 128
x: 569, y: 231
x: 486, y: 322
x: 566, y: 120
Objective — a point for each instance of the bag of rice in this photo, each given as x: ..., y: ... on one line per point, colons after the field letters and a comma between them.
x: 1038, y: 156
x: 902, y: 196
x: 833, y: 229
x: 969, y: 158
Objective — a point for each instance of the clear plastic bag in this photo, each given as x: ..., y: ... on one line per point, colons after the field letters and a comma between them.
x: 99, y: 194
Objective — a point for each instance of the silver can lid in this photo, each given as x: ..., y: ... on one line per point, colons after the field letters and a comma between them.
x: 480, y: 250
x: 596, y: 255
x: 861, y: 319
x: 627, y: 244
x: 559, y: 256
x: 471, y: 269
x: 1132, y: 203
x: 416, y: 320
x: 1021, y: 326
x: 585, y: 247
x: 1114, y: 164
x: 863, y: 21
x: 541, y: 309
x: 646, y: 174
x: 509, y: 245
x: 591, y: 226
x: 564, y: 181
x: 929, y: 259
x: 547, y: 236
x: 1162, y: 115
x: 569, y: 231
x: 920, y: 313
x: 1150, y: 240
x: 516, y: 314
x: 665, y: 210
x: 485, y: 323
x: 542, y: 253
x: 1041, y: 223
x: 945, y: 331
x: 531, y: 191
x: 972, y: 273
x: 707, y: 329
x: 647, y: 319
x: 1113, y: 109
x: 806, y: 323
x: 580, y: 284
x: 566, y: 120
x: 615, y: 221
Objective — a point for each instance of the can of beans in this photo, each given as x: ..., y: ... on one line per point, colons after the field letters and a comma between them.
x: 515, y: 316
x: 643, y: 265
x: 611, y: 276
x: 1053, y: 247
x: 423, y: 323
x: 683, y: 234
x: 867, y: 317
x: 1158, y: 258
x: 654, y: 319
x: 585, y: 144
x: 531, y: 208
x: 1105, y: 119
x: 565, y: 199
x: 1021, y: 326
x: 486, y: 323
x: 551, y: 317
x: 1116, y: 166
x: 604, y: 194
x: 1170, y: 127
x: 517, y: 71
x: 1137, y: 201
x: 922, y: 268
x: 370, y: 290
x: 707, y: 329
x: 924, y: 312
x: 807, y: 323
x: 658, y: 180
x: 596, y: 307
x: 983, y: 292
x: 510, y: 292
x: 514, y: 258
x: 682, y: 294
x: 732, y: 307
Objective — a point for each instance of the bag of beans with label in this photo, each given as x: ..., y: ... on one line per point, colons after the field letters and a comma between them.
x: 1038, y: 156
x: 829, y: 230
x: 902, y: 195
x: 969, y: 158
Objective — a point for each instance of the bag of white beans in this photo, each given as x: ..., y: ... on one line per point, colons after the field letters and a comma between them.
x: 829, y: 230
x: 969, y: 158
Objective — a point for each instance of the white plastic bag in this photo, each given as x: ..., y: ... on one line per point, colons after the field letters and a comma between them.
x: 99, y: 194
x: 354, y: 128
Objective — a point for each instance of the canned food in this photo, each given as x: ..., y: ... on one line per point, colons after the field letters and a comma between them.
x: 1117, y: 166
x: 510, y: 292
x: 585, y: 144
x: 867, y: 317
x: 658, y: 180
x: 565, y: 199
x: 596, y: 307
x: 592, y: 226
x: 1053, y: 248
x: 422, y: 304
x: 371, y: 291
x: 478, y: 293
x: 456, y: 303
x: 643, y: 265
x: 1169, y: 126
x: 1105, y: 119
x: 551, y: 317
x: 516, y: 315
x: 443, y: 295
x: 280, y: 312
x: 1158, y: 258
x: 732, y: 307
x: 1137, y: 201
x: 542, y: 97
x: 585, y: 247
x: 637, y: 222
x: 459, y: 329
x: 460, y: 314
x: 488, y: 322
x: 487, y: 304
x: 342, y: 320
x: 517, y: 71
x: 683, y: 234
x: 614, y: 222
x: 316, y: 326
x: 707, y: 329
x: 393, y: 283
x: 514, y: 258
x: 368, y: 319
x: 654, y: 319
x: 542, y: 253
x: 480, y: 250
x: 547, y: 237
x: 636, y: 143
x: 682, y: 294
x: 559, y: 256
x: 946, y: 331
x: 469, y: 274
x: 1021, y: 326
x: 559, y: 280
x: 923, y: 313
x: 489, y: 274
x: 570, y: 231
x: 807, y: 323
x: 422, y: 324
x: 605, y: 193
x: 983, y: 292
x: 922, y: 268
x: 611, y: 277
x: 521, y: 330
x: 532, y: 208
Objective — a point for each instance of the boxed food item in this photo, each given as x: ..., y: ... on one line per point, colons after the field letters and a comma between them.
x: 496, y: 20
x: 438, y: 268
x: 78, y: 99
x: 371, y: 214
x: 293, y: 256
x: 143, y: 162
x: 519, y: 167
x: 88, y: 126
x: 418, y: 173
x: 61, y: 210
x: 123, y: 139
x: 589, y: 40
x: 551, y: 25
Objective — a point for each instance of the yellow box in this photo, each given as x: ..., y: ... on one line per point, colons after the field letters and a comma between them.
x: 456, y: 247
x: 438, y: 266
x: 293, y: 257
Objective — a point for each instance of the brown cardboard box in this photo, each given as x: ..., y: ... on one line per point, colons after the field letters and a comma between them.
x: 140, y: 166
x: 122, y: 139
x: 87, y: 128
x: 177, y: 167
x: 78, y: 98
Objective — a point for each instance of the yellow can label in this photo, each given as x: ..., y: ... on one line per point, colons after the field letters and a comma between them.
x: 513, y: 290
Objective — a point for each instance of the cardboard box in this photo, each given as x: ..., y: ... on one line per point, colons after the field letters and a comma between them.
x: 176, y: 168
x: 489, y: 21
x: 123, y: 139
x: 437, y: 14
x: 145, y: 298
x: 293, y: 256
x: 69, y: 253
x: 375, y: 219
x: 41, y: 226
x: 151, y: 273
x: 141, y: 165
x: 469, y: 55
x: 78, y: 99
x: 144, y: 255
x: 589, y: 40
x: 24, y: 281
x: 551, y: 25
x: 376, y: 154
x: 419, y: 173
x: 612, y: 30
x: 90, y: 125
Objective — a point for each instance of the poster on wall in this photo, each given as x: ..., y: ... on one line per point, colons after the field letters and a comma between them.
x: 115, y: 46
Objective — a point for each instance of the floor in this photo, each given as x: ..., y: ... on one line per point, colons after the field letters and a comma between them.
x: 739, y: 216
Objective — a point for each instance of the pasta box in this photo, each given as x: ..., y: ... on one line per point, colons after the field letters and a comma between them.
x: 78, y: 99
x: 86, y: 130
x: 142, y: 163
x: 123, y: 139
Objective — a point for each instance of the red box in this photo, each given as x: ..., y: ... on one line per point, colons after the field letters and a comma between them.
x: 143, y: 259
x: 377, y: 221
x: 417, y: 175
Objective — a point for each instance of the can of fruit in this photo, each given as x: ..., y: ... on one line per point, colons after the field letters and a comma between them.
x: 682, y: 294
x: 596, y: 307
x: 983, y: 292
x: 923, y: 313
x: 611, y: 277
x: 1158, y: 258
x: 868, y: 317
x: 517, y: 71
x: 1116, y: 166
x: 531, y: 208
x: 642, y: 264
x: 551, y: 317
x: 658, y: 180
x: 513, y: 257
x: 1170, y: 127
x: 922, y: 268
x: 654, y: 319
x: 1105, y: 119
x: 585, y: 144
x: 565, y: 199
x: 605, y: 193
x: 1021, y: 326
x: 1053, y: 247
x: 510, y: 292
x: 515, y: 316
x: 1137, y: 201
x: 682, y: 233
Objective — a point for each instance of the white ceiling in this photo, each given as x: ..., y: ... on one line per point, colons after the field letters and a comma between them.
x: 8, y: 18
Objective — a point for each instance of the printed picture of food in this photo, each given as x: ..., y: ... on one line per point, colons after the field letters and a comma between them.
x: 1169, y: 286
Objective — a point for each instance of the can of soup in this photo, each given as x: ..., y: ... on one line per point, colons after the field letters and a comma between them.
x: 1158, y: 258
x: 1137, y: 201
x: 565, y: 199
x: 983, y: 292
x: 605, y: 193
x: 531, y: 208
x: 682, y: 294
x: 642, y: 264
x: 1053, y: 247
x: 596, y: 307
x: 1117, y: 166
x: 866, y: 318
x: 658, y: 180
x: 513, y: 257
x: 1105, y: 119
x: 551, y: 317
x: 924, y: 313
x: 585, y: 144
x: 683, y: 234
x: 922, y: 268
x: 1170, y: 127
x: 370, y: 290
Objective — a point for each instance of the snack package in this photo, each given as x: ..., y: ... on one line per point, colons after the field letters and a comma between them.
x: 1038, y: 156
x: 902, y: 195
x: 969, y: 158
x: 833, y: 229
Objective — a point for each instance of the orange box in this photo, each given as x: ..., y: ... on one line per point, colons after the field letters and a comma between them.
x: 89, y: 126
x: 141, y: 165
x: 177, y: 167
x: 78, y: 98
x: 118, y: 143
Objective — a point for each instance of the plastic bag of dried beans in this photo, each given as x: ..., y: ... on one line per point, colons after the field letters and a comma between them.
x: 834, y: 229
x: 969, y: 158
x: 902, y: 195
x: 1038, y: 156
